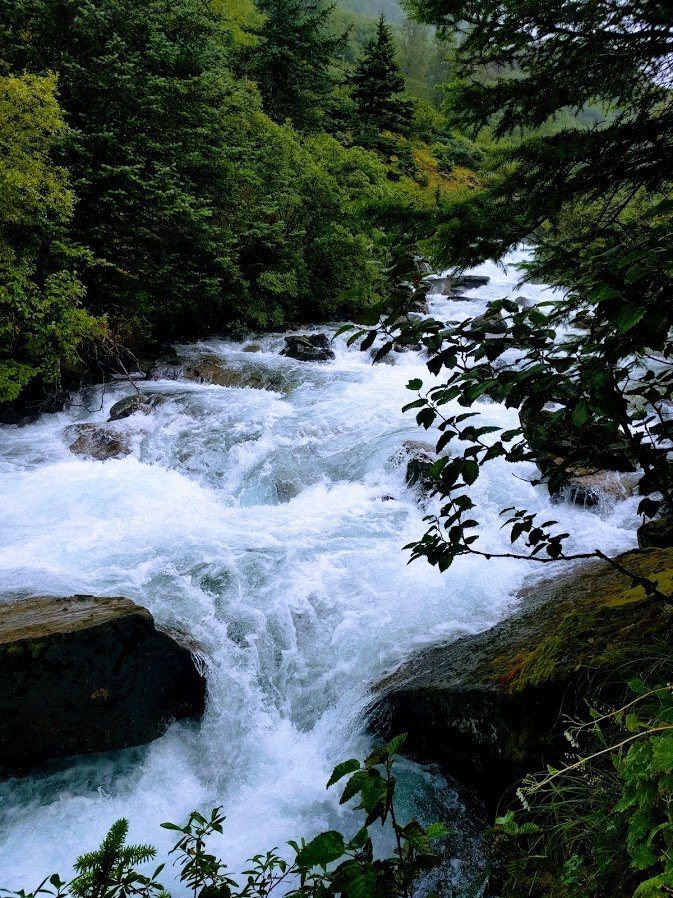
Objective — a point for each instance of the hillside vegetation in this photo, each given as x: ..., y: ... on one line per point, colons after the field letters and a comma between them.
x: 187, y: 170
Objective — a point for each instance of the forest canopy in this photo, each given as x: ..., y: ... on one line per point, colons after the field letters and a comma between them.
x: 189, y: 185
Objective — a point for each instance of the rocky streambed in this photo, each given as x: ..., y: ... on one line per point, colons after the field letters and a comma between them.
x: 255, y: 496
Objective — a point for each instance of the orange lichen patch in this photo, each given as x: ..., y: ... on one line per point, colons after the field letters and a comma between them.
x: 100, y: 695
x: 513, y: 671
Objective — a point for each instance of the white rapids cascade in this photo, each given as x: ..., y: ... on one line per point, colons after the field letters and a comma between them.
x: 268, y: 524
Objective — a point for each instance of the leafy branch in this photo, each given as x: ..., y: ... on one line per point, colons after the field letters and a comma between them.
x: 327, y: 866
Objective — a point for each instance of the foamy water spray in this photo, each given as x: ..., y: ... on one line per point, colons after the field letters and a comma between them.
x: 268, y: 524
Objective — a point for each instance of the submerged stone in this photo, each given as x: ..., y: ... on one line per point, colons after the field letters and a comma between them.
x: 87, y: 674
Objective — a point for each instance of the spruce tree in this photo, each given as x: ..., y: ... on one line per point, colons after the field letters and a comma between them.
x: 144, y: 88
x: 293, y: 59
x: 378, y: 87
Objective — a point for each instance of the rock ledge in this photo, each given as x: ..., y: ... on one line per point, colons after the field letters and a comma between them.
x: 87, y: 674
x: 493, y: 706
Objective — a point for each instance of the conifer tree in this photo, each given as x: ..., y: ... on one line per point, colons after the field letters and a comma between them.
x: 378, y: 87
x: 144, y: 88
x: 293, y: 60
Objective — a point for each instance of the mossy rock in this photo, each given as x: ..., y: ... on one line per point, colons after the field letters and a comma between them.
x: 132, y: 405
x: 492, y: 706
x: 87, y: 674
x: 657, y: 533
x: 210, y: 370
x: 308, y: 348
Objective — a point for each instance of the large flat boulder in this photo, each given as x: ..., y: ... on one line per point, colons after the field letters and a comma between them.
x: 492, y: 706
x: 87, y: 674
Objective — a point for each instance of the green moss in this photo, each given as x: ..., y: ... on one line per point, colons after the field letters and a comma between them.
x: 596, y: 620
x: 36, y: 648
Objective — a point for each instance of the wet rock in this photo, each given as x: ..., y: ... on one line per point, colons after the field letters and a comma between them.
x: 252, y: 347
x: 87, y: 674
x: 100, y: 443
x: 440, y: 285
x: 494, y: 705
x: 656, y: 533
x: 210, y: 370
x: 166, y: 367
x: 448, y: 285
x: 492, y: 322
x: 593, y: 488
x: 444, y: 286
x: 421, y: 456
x: 418, y: 473
x: 524, y: 302
x: 128, y: 375
x: 470, y: 281
x: 308, y: 348
x: 419, y: 305
x: 387, y: 359
x: 131, y: 405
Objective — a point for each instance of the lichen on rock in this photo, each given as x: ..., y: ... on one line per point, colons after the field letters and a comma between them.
x: 492, y: 705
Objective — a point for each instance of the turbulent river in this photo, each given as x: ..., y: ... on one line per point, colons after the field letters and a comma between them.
x: 268, y: 524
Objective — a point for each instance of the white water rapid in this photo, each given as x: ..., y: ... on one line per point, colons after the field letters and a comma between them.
x: 268, y: 524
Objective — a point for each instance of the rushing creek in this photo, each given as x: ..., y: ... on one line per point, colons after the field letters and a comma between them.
x: 268, y: 524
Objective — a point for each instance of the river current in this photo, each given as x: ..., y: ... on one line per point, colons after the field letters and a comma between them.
x: 268, y: 524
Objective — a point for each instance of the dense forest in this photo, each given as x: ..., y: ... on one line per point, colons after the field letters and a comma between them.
x: 174, y: 170
x: 196, y: 169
